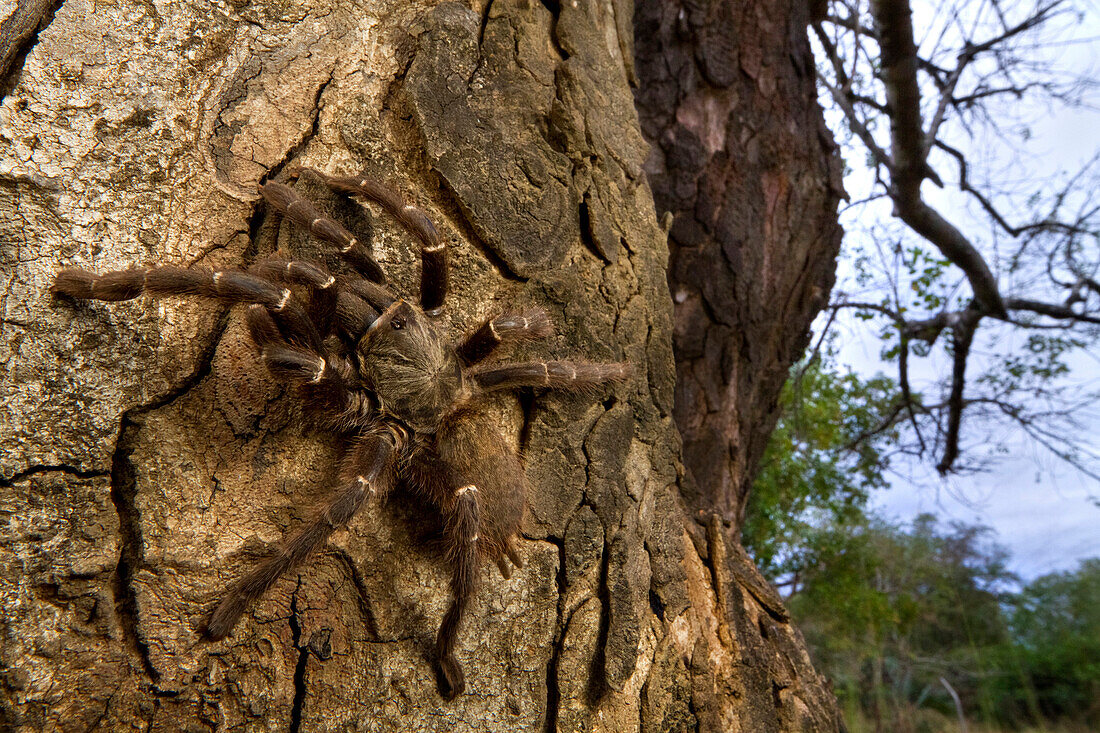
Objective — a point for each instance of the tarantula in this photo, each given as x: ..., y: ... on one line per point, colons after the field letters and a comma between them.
x: 378, y: 370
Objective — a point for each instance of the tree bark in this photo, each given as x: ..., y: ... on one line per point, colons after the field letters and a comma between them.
x: 147, y: 458
x: 742, y: 158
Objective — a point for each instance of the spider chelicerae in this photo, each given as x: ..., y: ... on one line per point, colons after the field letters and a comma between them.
x: 379, y: 371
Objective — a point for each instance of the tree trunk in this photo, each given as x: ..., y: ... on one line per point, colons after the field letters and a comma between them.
x: 147, y: 458
x: 742, y: 158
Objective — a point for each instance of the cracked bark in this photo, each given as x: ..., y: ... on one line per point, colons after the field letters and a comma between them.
x: 146, y: 459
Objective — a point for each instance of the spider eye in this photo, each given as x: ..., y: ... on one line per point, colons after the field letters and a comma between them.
x: 397, y: 323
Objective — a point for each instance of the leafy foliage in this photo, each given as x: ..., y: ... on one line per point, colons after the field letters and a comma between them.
x: 815, y: 467
x: 893, y: 609
x: 1051, y: 667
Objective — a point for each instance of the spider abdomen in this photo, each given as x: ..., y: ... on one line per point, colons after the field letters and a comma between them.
x: 468, y: 450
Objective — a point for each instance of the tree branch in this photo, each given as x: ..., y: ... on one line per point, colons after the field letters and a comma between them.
x: 963, y: 338
x: 894, y: 23
x: 1049, y: 309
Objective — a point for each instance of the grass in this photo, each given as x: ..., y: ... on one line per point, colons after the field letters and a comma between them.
x: 924, y: 720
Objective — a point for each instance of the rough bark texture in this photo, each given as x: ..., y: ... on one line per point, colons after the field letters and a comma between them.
x: 742, y: 158
x: 145, y: 456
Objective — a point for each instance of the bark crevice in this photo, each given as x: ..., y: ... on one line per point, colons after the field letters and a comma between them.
x: 18, y: 35
x: 57, y: 468
x: 300, y: 688
x: 553, y: 692
x: 124, y: 498
x: 293, y: 152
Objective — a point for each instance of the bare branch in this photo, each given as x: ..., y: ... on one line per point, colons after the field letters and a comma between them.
x: 964, y: 185
x: 856, y: 124
x: 840, y: 95
x: 967, y: 60
x: 1048, y: 224
x: 889, y: 420
x: 1056, y: 444
x: 870, y: 307
x: 981, y: 94
x: 1050, y: 309
x: 894, y: 22
x: 906, y: 392
x: 1039, y: 17
x: 964, y: 337
x: 851, y: 23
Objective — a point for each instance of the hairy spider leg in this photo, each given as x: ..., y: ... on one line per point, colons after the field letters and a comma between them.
x: 286, y: 200
x: 433, y: 252
x: 504, y: 328
x: 228, y: 286
x: 319, y: 374
x: 323, y: 292
x: 284, y: 333
x: 368, y: 469
x: 569, y: 375
x: 461, y: 524
x: 378, y: 296
x: 316, y: 373
x: 468, y: 451
x: 512, y: 555
x: 354, y: 315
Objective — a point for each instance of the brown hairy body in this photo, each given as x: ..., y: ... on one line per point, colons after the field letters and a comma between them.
x: 378, y: 371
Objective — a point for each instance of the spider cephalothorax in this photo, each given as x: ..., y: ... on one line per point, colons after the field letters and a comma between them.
x: 410, y: 366
x: 379, y: 371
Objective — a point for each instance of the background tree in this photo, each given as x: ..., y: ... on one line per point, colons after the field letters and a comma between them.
x: 915, y: 624
x: 145, y: 456
x: 712, y: 82
x: 889, y: 610
x: 1049, y: 670
x: 1000, y: 258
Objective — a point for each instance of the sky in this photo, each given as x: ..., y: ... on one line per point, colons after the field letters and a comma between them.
x: 1044, y: 512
